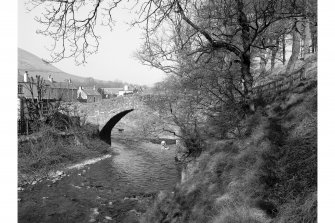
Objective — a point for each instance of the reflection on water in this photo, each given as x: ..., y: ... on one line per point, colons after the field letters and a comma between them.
x: 146, y: 167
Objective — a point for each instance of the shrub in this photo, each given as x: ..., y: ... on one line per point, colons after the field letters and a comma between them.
x: 50, y: 149
x: 300, y: 210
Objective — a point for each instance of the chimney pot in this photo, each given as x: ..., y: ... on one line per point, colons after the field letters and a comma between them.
x: 25, y: 76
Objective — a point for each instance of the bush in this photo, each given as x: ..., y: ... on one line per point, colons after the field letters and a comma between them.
x: 62, y: 122
x: 300, y: 210
x: 50, y: 149
x: 226, y: 123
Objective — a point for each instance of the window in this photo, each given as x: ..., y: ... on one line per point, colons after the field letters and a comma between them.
x: 45, y: 109
x: 20, y: 89
x: 93, y: 99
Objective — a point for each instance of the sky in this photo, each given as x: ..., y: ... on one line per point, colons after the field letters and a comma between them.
x: 114, y: 60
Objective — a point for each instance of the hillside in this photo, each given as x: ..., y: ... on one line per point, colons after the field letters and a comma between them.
x: 36, y: 66
x: 269, y: 174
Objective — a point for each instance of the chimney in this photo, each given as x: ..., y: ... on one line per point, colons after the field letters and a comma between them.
x: 25, y: 76
x: 94, y: 87
x: 126, y: 87
x: 51, y: 79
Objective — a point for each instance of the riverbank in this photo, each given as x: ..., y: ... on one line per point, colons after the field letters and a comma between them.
x: 49, y: 150
x: 117, y: 187
x: 267, y: 175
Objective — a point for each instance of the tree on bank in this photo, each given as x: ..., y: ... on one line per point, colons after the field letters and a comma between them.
x: 177, y: 32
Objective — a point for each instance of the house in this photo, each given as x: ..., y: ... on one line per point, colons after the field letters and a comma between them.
x: 110, y: 92
x: 88, y: 95
x: 113, y: 92
x: 46, y: 92
x: 126, y: 91
x: 63, y: 91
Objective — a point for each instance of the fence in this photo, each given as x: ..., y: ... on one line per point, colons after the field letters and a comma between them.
x: 281, y: 84
x: 24, y: 126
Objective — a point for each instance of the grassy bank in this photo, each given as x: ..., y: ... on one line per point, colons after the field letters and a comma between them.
x: 47, y: 150
x: 267, y: 175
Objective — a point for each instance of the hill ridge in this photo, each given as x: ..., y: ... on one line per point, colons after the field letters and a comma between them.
x: 30, y: 62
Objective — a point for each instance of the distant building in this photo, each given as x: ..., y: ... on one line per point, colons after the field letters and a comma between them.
x: 126, y: 90
x: 113, y: 92
x: 110, y: 92
x: 28, y: 91
x: 88, y: 95
x: 63, y: 91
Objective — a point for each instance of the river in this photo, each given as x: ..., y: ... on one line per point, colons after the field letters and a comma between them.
x: 115, y: 189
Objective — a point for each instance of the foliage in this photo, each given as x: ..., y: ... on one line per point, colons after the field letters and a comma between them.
x: 35, y: 102
x: 176, y: 33
x: 50, y: 149
x: 209, y: 49
x: 269, y: 175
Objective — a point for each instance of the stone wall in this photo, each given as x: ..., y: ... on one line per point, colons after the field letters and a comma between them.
x: 141, y: 122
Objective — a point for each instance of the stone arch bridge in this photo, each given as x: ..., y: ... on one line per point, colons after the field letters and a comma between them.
x: 100, y: 112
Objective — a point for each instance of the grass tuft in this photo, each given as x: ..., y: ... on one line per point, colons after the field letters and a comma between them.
x: 51, y: 150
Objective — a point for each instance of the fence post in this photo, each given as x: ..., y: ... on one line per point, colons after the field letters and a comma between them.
x: 302, y: 72
x: 291, y: 81
x: 27, y: 127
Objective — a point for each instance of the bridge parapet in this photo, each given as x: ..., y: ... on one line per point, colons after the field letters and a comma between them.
x: 100, y: 112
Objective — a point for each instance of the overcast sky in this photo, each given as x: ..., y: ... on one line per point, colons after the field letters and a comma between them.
x: 113, y: 61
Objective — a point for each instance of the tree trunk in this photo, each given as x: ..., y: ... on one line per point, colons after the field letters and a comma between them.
x: 313, y: 29
x: 284, y: 49
x: 262, y: 63
x: 247, y: 79
x: 274, y: 53
x: 295, y: 51
x: 307, y: 39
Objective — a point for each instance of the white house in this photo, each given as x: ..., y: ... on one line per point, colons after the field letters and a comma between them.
x: 126, y: 90
x: 88, y: 95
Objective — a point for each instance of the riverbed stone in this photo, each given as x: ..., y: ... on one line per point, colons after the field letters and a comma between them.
x: 108, y: 218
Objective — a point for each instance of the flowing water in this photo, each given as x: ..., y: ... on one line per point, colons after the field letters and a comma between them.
x: 115, y: 189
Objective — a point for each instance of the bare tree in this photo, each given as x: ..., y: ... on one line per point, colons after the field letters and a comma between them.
x: 284, y: 48
x: 301, y: 28
x: 295, y: 48
x: 232, y: 27
x: 37, y: 89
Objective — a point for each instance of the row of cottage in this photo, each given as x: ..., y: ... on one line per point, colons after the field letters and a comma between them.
x: 67, y: 91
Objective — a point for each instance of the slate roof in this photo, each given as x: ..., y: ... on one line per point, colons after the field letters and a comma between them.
x: 61, y: 85
x: 112, y: 90
x: 53, y: 84
x: 20, y: 78
x: 91, y: 92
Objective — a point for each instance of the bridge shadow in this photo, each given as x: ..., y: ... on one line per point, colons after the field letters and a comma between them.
x: 105, y: 133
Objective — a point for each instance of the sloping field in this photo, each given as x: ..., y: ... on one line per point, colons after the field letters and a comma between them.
x: 36, y: 66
